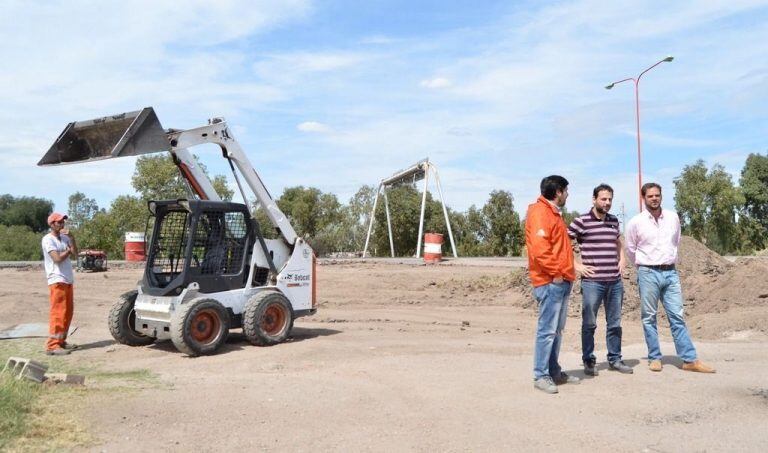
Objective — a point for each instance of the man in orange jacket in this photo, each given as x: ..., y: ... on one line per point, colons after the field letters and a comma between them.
x: 551, y: 270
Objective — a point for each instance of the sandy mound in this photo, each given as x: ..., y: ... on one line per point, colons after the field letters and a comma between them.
x: 745, y: 285
x: 730, y: 297
x: 697, y: 265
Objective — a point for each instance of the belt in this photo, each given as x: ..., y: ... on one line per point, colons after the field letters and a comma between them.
x: 659, y: 267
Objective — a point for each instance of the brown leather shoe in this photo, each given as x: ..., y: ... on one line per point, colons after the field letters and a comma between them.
x: 698, y: 366
x: 654, y: 365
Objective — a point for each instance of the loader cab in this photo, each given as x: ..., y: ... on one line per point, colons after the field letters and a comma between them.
x: 207, y: 242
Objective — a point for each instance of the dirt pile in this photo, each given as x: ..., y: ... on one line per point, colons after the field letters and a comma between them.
x: 711, y: 285
x: 696, y: 259
x: 744, y: 286
x: 697, y: 266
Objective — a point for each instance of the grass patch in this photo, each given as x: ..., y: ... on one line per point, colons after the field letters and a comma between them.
x: 50, y: 421
x: 16, y: 400
x: 40, y: 417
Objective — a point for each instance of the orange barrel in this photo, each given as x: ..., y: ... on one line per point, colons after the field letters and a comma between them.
x: 433, y: 247
x: 134, y: 247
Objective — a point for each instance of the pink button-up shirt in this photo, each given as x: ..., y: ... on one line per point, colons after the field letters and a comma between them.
x: 651, y: 242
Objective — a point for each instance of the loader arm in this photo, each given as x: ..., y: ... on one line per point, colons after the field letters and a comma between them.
x: 191, y: 171
x: 140, y: 132
x: 218, y: 133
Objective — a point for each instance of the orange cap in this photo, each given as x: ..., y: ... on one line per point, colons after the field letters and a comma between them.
x: 55, y: 217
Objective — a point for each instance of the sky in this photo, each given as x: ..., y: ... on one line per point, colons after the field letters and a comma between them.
x: 338, y: 94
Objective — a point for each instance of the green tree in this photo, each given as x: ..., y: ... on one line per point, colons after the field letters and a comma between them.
x: 309, y: 209
x: 691, y: 199
x: 265, y: 225
x: 80, y: 209
x: 568, y: 217
x: 356, y: 217
x: 219, y: 183
x: 102, y: 232
x: 708, y: 203
x: 726, y: 201
x: 405, y: 210
x: 504, y: 237
x: 473, y: 242
x: 106, y: 229
x: 466, y: 227
x: 493, y: 230
x: 30, y: 211
x: 19, y: 243
x: 156, y: 177
x: 754, y: 187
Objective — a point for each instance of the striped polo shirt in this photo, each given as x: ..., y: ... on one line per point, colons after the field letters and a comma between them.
x: 597, y: 241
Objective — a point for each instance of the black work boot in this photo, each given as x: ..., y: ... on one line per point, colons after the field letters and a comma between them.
x: 621, y: 367
x: 589, y: 368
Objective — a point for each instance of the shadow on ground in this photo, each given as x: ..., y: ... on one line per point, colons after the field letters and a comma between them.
x: 601, y: 367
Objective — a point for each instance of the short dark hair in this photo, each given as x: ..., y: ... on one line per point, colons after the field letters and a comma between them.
x: 551, y: 184
x: 600, y: 188
x: 649, y: 185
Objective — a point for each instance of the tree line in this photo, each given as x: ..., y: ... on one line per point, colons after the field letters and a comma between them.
x: 726, y: 217
x: 729, y: 219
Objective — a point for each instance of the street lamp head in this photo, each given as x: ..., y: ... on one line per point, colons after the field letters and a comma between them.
x: 608, y: 87
x: 669, y: 58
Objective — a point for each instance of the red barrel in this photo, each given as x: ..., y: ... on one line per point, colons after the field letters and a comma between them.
x: 134, y: 247
x: 433, y: 247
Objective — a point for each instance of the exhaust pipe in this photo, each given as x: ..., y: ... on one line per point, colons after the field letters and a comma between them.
x: 126, y: 134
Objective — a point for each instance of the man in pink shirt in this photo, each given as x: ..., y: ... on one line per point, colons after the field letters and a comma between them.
x: 653, y: 237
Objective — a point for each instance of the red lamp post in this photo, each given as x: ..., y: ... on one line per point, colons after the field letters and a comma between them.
x: 636, y: 81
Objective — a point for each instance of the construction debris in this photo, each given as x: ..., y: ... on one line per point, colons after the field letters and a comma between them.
x: 23, y: 368
x: 26, y: 369
x: 64, y: 378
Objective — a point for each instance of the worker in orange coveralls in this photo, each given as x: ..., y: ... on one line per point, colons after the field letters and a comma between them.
x: 58, y: 246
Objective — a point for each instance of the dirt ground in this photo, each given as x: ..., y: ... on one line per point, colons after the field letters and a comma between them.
x: 425, y: 358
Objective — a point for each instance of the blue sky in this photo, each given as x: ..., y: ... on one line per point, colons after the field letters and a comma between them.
x: 337, y: 94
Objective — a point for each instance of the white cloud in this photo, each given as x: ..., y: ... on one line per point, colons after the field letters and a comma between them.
x: 379, y: 39
x: 90, y: 59
x: 520, y: 96
x: 313, y: 126
x: 284, y: 69
x: 436, y: 83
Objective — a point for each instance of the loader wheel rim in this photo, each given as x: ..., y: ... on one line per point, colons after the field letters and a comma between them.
x: 205, y: 326
x: 273, y: 320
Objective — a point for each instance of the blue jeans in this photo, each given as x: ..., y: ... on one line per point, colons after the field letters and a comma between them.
x: 553, y: 311
x: 665, y: 285
x: 594, y: 294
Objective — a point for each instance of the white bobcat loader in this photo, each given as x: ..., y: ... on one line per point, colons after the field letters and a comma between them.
x: 208, y: 269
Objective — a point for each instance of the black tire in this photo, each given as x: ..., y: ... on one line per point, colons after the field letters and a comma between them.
x: 200, y: 327
x: 267, y: 318
x: 122, y: 319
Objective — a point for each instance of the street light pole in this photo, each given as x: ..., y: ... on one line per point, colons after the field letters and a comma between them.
x: 637, y: 122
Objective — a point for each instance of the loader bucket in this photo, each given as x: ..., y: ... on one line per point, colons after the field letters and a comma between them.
x: 126, y: 134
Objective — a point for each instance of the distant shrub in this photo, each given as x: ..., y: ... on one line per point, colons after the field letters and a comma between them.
x: 20, y: 243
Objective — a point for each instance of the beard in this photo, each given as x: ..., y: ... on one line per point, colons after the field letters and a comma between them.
x: 601, y: 210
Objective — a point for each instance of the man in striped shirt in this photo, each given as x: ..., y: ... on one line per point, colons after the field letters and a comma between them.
x: 601, y: 265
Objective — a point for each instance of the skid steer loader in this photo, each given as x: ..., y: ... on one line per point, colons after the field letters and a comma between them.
x: 208, y: 268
